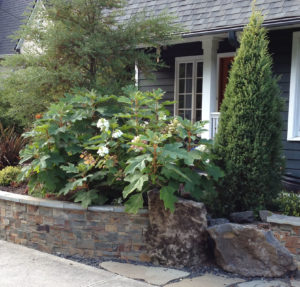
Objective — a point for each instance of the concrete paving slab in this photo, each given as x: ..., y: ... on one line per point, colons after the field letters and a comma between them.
x: 295, y: 283
x: 207, y: 280
x: 24, y: 267
x: 153, y: 275
x: 264, y: 283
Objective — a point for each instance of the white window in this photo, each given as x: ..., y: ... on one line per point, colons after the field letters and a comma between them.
x: 188, y: 87
x: 293, y: 133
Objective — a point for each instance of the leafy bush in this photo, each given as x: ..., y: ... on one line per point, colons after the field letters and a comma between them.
x: 248, y: 143
x: 10, y: 145
x: 57, y: 142
x: 9, y: 175
x: 289, y: 203
x: 84, y: 148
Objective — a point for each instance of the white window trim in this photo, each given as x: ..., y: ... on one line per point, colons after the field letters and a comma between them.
x: 293, y: 130
x: 180, y: 60
x: 220, y: 56
x: 136, y: 74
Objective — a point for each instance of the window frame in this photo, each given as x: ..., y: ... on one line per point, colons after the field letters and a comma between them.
x: 185, y: 60
x: 293, y: 129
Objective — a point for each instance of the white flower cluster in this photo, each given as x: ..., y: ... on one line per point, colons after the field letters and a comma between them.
x: 103, y: 124
x: 201, y: 148
x: 162, y: 117
x: 172, y: 126
x: 116, y: 134
x: 103, y: 150
x: 145, y: 124
x: 136, y: 139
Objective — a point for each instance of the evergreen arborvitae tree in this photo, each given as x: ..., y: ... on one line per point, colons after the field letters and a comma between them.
x: 79, y: 44
x: 248, y: 142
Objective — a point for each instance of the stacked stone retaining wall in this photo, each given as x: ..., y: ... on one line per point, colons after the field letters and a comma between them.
x: 107, y: 232
x: 67, y: 228
x: 287, y: 230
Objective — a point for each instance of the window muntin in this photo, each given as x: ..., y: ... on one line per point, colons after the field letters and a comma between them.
x: 188, y: 91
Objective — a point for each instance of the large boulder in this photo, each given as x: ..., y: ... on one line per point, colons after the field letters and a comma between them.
x: 177, y: 239
x: 248, y: 251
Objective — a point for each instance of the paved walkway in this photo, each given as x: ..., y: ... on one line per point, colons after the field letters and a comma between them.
x: 24, y: 267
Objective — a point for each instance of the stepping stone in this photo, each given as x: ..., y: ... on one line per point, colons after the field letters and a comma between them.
x: 207, y: 280
x: 152, y: 275
x: 264, y: 283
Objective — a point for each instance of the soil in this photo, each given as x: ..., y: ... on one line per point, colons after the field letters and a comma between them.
x: 20, y: 189
x: 23, y: 189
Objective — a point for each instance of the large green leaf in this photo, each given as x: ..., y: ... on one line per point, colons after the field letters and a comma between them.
x: 168, y: 197
x: 214, y: 171
x: 191, y: 157
x: 174, y: 151
x: 171, y: 171
x: 136, y: 183
x: 134, y: 203
x: 70, y: 186
x: 86, y: 197
x: 70, y: 168
x: 137, y: 163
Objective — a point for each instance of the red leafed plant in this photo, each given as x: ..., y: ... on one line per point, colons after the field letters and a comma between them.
x: 10, y: 145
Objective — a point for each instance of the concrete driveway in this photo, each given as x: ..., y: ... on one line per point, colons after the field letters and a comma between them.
x: 24, y: 267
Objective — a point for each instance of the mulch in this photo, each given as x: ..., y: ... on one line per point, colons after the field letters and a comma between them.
x: 20, y: 189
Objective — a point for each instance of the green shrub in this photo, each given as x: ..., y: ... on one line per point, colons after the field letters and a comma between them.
x: 248, y: 143
x: 57, y: 143
x: 10, y: 145
x: 85, y: 149
x: 9, y: 175
x: 289, y: 203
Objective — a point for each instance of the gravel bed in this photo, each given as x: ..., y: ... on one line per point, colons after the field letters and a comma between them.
x: 194, y: 272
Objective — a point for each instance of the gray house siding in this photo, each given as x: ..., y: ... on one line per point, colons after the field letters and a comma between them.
x: 280, y: 48
x: 164, y: 78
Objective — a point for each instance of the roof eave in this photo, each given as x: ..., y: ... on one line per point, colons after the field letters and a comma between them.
x: 268, y: 24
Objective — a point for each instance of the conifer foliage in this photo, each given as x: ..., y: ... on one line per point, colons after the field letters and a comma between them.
x: 248, y: 143
x: 79, y: 44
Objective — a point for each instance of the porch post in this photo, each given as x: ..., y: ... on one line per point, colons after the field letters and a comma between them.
x: 210, y: 81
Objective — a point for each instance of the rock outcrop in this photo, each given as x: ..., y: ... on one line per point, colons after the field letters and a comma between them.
x: 180, y: 238
x: 248, y: 251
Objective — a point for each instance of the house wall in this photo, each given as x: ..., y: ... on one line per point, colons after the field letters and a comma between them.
x: 164, y: 78
x: 280, y: 48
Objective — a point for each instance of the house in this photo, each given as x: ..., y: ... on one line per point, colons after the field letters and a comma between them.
x: 11, y: 17
x: 199, y: 63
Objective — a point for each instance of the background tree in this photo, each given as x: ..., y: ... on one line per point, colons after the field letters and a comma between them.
x: 248, y: 143
x: 79, y: 43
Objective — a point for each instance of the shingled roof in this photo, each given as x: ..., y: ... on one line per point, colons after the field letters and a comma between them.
x: 210, y: 16
x: 11, y: 16
x: 196, y: 16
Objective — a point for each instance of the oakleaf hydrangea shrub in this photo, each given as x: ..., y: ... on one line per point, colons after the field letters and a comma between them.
x: 84, y: 149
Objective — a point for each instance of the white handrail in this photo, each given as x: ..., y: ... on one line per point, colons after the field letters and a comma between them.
x: 214, y: 123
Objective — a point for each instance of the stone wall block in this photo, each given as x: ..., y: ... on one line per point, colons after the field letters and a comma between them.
x: 73, y: 231
x: 45, y: 211
x: 179, y: 238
